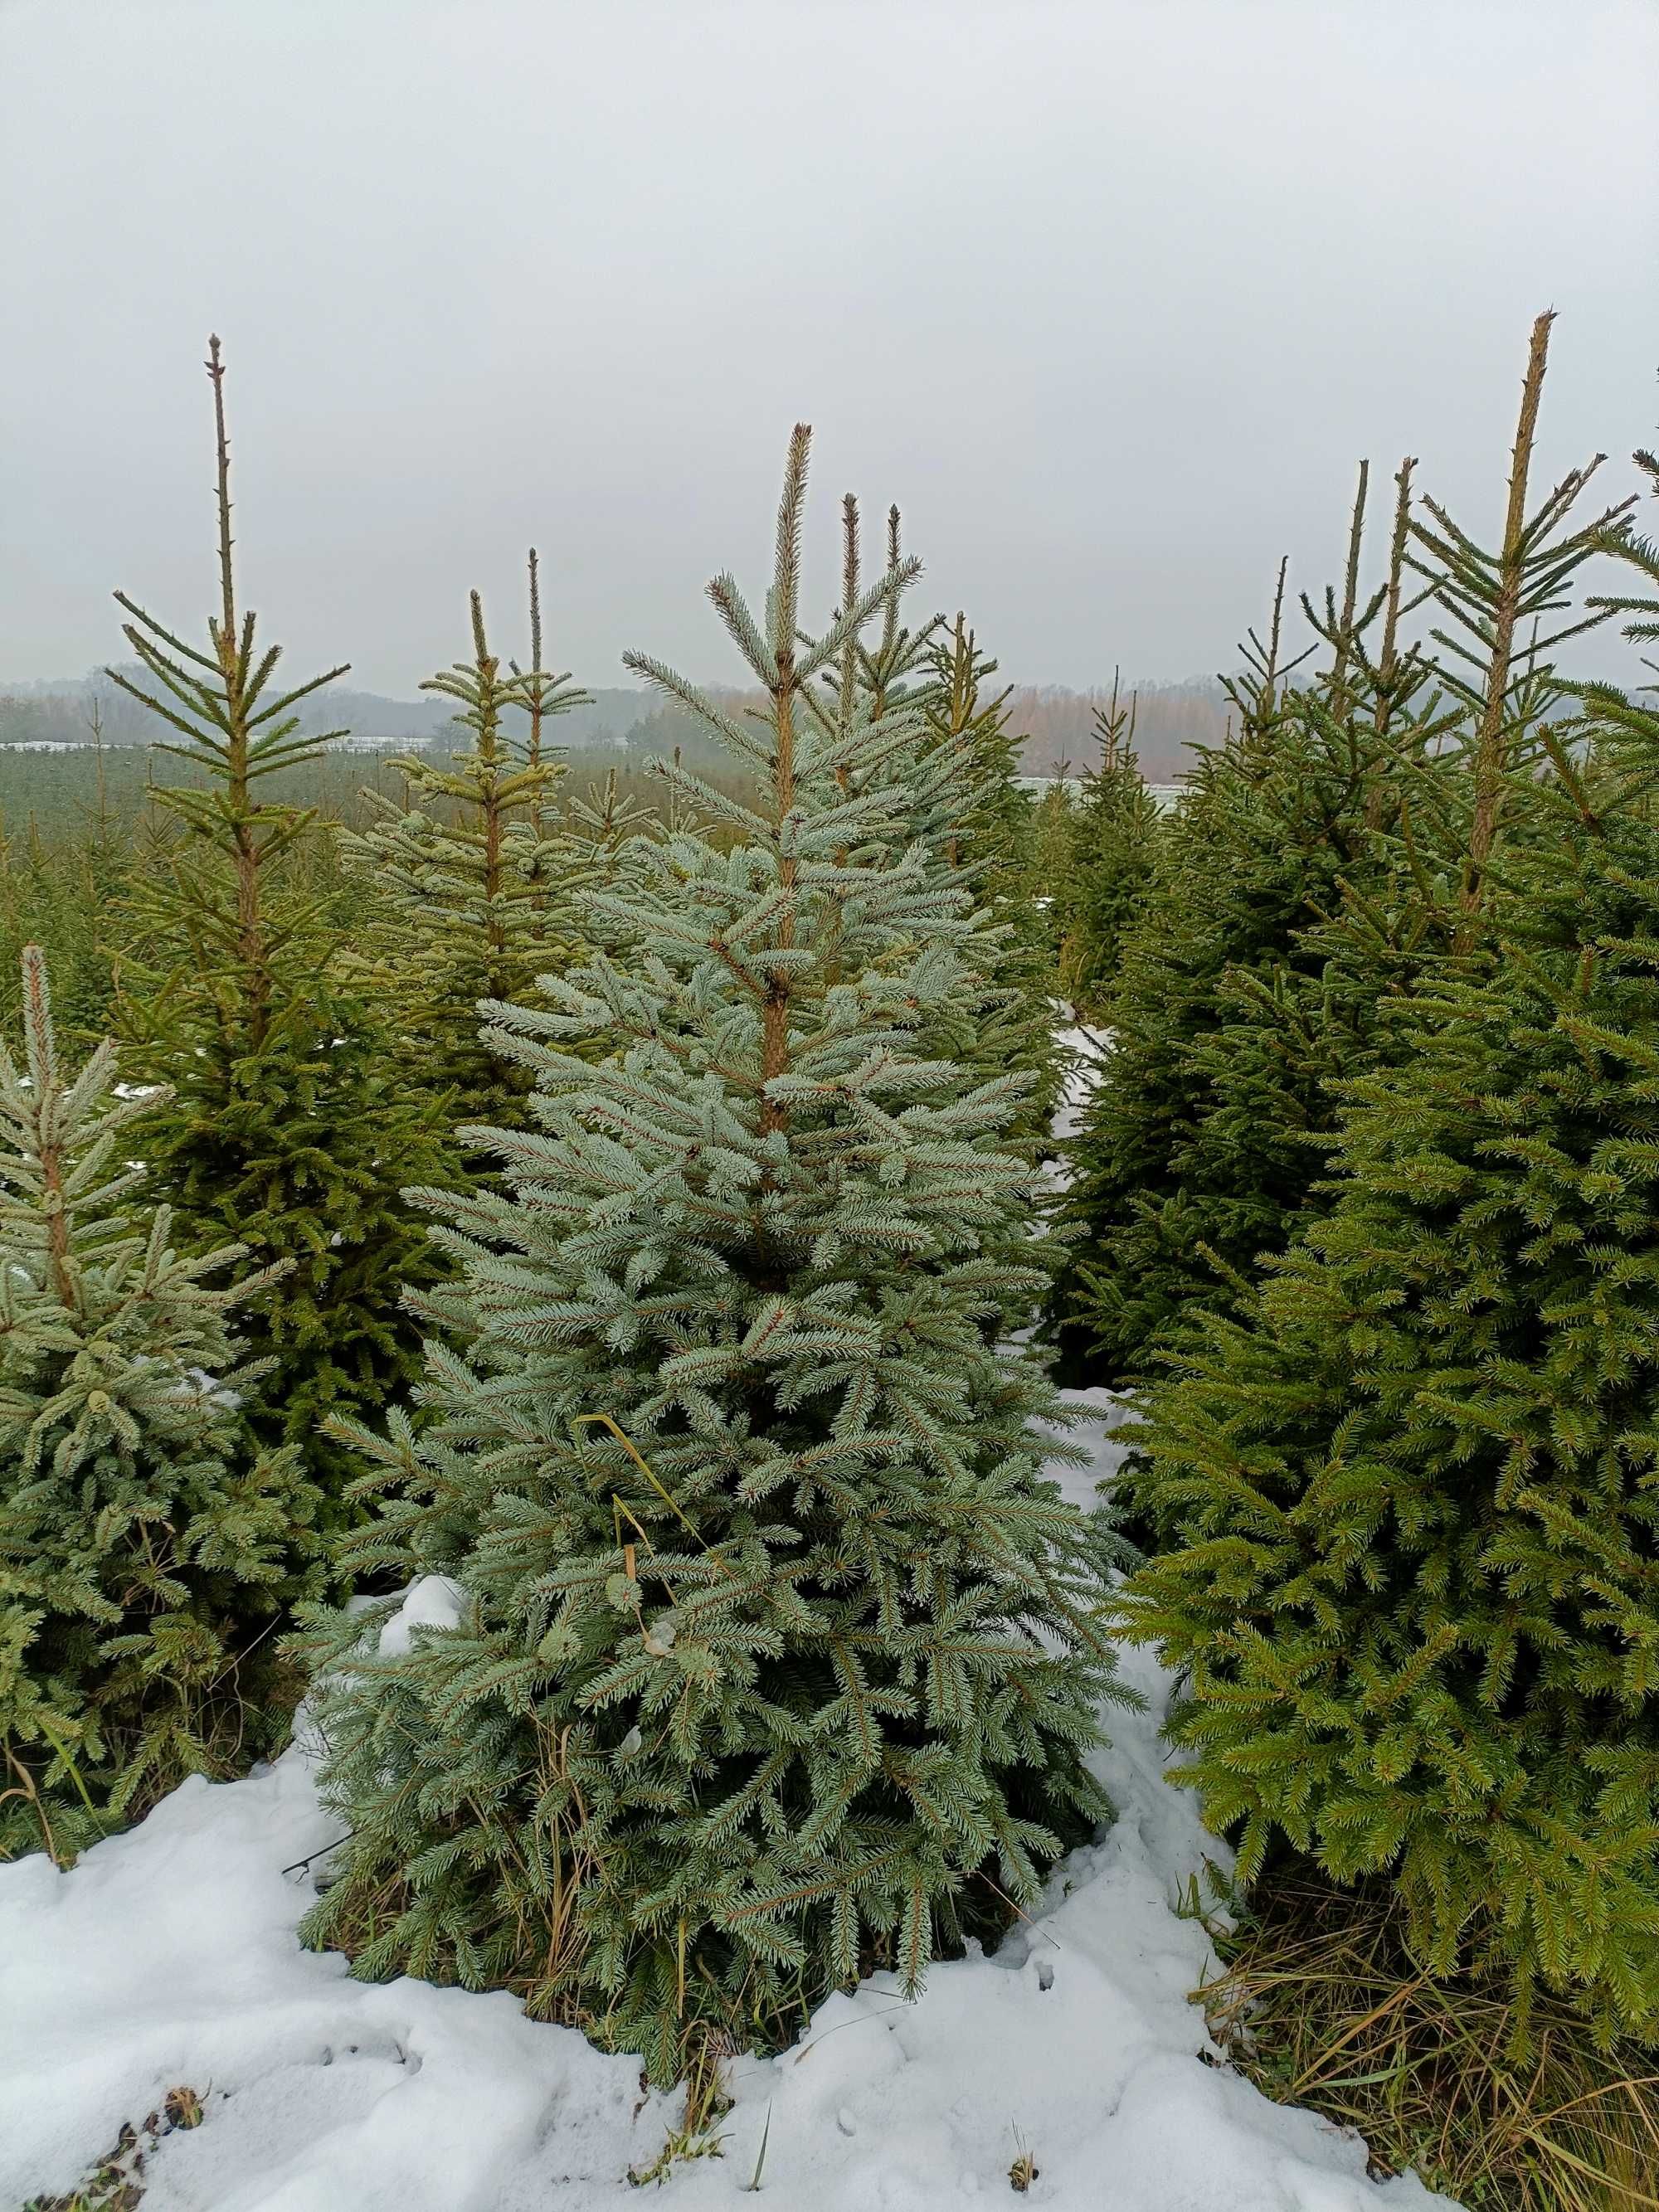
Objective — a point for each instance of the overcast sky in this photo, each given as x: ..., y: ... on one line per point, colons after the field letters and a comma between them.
x: 1110, y: 296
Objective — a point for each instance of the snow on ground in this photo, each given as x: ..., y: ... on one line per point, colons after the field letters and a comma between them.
x: 1083, y: 1050
x: 1086, y: 1049
x: 167, y: 1957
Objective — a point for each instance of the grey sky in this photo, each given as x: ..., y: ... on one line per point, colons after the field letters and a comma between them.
x: 1110, y: 296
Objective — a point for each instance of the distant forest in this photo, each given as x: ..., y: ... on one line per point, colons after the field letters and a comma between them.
x: 1055, y: 725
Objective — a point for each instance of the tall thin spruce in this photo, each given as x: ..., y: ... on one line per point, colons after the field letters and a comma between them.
x: 1257, y: 690
x: 1338, y: 684
x: 1490, y: 749
x: 223, y: 714
x: 473, y: 880
x: 286, y: 1129
x: 1502, y: 602
x: 540, y: 696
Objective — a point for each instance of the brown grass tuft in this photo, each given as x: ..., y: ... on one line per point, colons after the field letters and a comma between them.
x: 1319, y: 2004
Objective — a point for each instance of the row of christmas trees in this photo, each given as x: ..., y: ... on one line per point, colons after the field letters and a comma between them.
x: 667, y: 1320
x: 687, y: 1364
x: 1367, y: 1216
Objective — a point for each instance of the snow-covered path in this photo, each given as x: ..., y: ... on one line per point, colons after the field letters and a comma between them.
x: 167, y: 1957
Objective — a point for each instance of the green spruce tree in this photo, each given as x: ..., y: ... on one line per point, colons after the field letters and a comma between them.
x: 1409, y: 1493
x: 992, y: 832
x: 287, y: 1127
x: 776, y: 1656
x: 146, y: 1551
x: 1339, y: 847
x: 1106, y: 874
x: 473, y: 879
x: 992, y: 837
x: 1166, y: 1199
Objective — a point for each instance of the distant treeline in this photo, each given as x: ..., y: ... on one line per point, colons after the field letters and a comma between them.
x: 1055, y: 725
x: 61, y: 712
x: 61, y: 798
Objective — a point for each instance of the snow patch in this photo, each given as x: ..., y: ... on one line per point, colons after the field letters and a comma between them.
x: 200, y: 1384
x: 1085, y: 1049
x: 1097, y: 1413
x: 433, y: 1602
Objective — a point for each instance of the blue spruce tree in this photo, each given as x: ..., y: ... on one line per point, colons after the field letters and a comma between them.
x: 147, y: 1549
x: 777, y: 1659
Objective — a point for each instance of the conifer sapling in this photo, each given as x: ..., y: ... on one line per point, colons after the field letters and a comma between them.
x: 777, y: 1657
x: 285, y: 1125
x: 473, y: 884
x: 1411, y: 1586
x: 146, y: 1552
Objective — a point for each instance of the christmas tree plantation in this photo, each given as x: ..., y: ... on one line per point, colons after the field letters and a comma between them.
x: 776, y: 1658
x: 1415, y: 1596
x: 145, y: 1554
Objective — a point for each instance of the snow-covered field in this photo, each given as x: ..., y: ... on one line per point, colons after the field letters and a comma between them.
x: 167, y: 1958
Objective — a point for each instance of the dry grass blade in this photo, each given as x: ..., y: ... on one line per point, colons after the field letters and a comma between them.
x: 1319, y: 2003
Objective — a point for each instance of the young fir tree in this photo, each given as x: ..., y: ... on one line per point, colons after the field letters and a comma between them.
x: 1338, y: 848
x: 919, y: 693
x: 540, y: 696
x: 1433, y: 734
x: 994, y: 827
x: 473, y: 881
x: 287, y: 1128
x: 952, y: 749
x: 1107, y: 873
x: 991, y: 834
x: 777, y: 1657
x: 145, y: 1552
x: 1162, y: 1199
x: 1411, y: 1589
x: 65, y: 894
x: 600, y: 825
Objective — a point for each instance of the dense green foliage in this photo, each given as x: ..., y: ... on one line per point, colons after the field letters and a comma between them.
x: 286, y: 1127
x: 771, y: 1638
x: 146, y: 1552
x: 63, y: 897
x: 991, y: 838
x: 1103, y: 872
x: 1193, y: 1157
x: 1404, y: 1488
x: 473, y: 884
x: 1344, y: 843
x: 1416, y: 1596
x: 300, y: 1147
